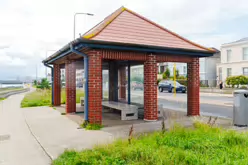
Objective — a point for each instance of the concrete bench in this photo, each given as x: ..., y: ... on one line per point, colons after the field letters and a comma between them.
x: 128, y: 112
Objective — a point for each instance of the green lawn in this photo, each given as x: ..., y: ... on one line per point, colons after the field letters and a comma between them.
x: 43, y: 98
x: 201, y: 145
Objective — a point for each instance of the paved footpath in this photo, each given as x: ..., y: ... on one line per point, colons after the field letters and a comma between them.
x: 31, y: 136
x: 17, y: 145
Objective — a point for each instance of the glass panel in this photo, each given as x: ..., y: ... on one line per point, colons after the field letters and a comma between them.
x: 105, y: 84
x: 137, y: 84
x: 202, y: 66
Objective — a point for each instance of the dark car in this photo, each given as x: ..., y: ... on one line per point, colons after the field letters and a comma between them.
x: 169, y: 86
x: 137, y: 85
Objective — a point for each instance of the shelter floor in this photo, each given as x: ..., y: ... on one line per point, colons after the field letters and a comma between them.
x: 113, y: 118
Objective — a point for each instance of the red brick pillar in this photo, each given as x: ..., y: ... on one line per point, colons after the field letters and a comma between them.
x: 193, y: 88
x: 122, y: 89
x: 56, y: 85
x: 70, y: 85
x: 150, y: 89
x: 95, y: 87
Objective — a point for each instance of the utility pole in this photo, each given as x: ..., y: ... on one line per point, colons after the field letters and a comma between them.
x: 46, y: 67
x: 36, y: 73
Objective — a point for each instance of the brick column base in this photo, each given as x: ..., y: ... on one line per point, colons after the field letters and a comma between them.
x: 122, y: 89
x: 70, y: 85
x: 56, y: 85
x: 95, y: 87
x: 193, y: 88
x: 150, y: 89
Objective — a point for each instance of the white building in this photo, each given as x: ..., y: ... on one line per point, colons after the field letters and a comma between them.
x: 234, y: 59
x: 207, y: 68
x: 181, y: 67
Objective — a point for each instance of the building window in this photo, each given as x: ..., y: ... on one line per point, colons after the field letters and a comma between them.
x: 228, y: 57
x: 220, y: 74
x: 245, y: 53
x: 161, y: 69
x: 229, y: 72
x: 245, y: 71
x: 184, y: 69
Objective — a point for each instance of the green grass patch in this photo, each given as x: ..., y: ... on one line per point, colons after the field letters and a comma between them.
x: 2, y: 99
x: 88, y: 126
x: 43, y: 98
x: 201, y: 145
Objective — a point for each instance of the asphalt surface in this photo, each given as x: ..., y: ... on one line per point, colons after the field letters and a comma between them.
x: 206, y: 109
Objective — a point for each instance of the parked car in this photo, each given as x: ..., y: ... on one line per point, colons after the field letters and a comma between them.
x: 137, y: 85
x: 169, y: 86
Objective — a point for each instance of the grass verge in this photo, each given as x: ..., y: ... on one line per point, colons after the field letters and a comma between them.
x: 43, y: 98
x: 88, y: 126
x: 200, y: 145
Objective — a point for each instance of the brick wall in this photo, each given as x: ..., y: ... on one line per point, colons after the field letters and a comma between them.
x: 193, y: 88
x: 150, y: 88
x: 57, y: 85
x: 95, y: 86
x: 122, y: 89
x: 70, y: 76
x: 123, y: 55
x: 173, y: 58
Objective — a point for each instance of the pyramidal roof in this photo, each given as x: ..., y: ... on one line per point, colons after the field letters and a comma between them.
x: 126, y: 26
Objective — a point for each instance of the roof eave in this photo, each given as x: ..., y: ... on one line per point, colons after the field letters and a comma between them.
x: 128, y: 46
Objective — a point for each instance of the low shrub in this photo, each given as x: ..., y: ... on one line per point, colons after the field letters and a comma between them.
x: 235, y: 81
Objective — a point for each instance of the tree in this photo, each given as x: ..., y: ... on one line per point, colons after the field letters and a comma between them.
x: 177, y: 73
x: 166, y: 74
x: 35, y: 82
x: 44, y: 84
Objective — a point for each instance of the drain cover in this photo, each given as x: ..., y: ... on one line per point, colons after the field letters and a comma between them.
x: 4, y: 137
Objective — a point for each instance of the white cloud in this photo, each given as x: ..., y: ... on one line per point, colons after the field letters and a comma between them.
x: 30, y: 27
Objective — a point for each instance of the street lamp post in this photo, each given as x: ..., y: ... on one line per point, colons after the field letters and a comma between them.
x: 74, y: 28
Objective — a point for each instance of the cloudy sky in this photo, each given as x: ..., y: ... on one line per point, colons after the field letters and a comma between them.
x: 30, y: 29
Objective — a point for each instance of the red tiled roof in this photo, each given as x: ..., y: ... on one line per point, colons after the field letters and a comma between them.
x: 126, y: 26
